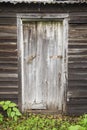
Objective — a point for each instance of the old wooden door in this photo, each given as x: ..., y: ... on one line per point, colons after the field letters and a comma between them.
x: 43, y: 64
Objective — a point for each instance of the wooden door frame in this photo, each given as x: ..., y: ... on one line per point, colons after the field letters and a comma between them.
x: 40, y: 17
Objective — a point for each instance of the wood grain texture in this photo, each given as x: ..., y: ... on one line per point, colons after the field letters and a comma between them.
x: 42, y: 59
x: 8, y: 62
x: 77, y: 66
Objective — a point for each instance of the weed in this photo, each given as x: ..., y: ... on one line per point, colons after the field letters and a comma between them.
x: 11, y: 109
x: 1, y: 118
x: 45, y: 122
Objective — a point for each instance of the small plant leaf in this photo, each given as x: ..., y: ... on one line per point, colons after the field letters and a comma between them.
x: 15, y: 109
x: 5, y: 107
x: 2, y: 103
x: 1, y: 118
x: 12, y: 114
x: 7, y: 102
x: 15, y: 118
x: 9, y: 112
x: 18, y: 113
x: 12, y: 105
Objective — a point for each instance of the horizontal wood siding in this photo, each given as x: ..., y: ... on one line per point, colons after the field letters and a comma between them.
x: 8, y: 60
x: 77, y: 65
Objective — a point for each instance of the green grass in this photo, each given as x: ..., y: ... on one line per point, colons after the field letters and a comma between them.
x: 45, y: 122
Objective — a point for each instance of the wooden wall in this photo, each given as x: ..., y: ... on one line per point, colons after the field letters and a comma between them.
x: 77, y: 53
x: 8, y: 59
x: 77, y: 64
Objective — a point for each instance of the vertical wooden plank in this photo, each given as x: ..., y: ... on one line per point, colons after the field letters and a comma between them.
x: 30, y: 48
x: 41, y: 66
x: 51, y: 64
x: 20, y: 64
x: 61, y: 58
x: 54, y: 62
x: 65, y: 69
x: 64, y: 65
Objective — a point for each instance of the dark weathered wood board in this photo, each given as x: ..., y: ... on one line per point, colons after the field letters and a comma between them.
x: 8, y: 60
x: 77, y: 65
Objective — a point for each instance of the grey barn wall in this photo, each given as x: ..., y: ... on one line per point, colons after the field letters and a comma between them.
x: 8, y: 59
x: 77, y: 66
x: 77, y: 52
